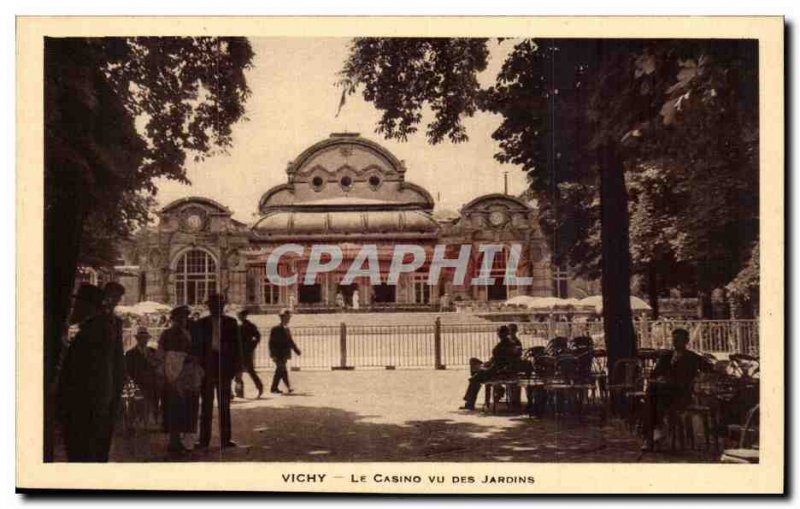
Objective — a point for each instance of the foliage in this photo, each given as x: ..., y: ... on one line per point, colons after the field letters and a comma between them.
x: 686, y: 116
x: 188, y: 90
x: 401, y: 75
x: 122, y: 112
x: 697, y: 171
x: 745, y: 284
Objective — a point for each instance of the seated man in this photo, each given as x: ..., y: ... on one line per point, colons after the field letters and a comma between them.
x: 505, y: 355
x: 670, y: 387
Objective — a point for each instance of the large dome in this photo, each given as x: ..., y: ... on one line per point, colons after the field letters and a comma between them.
x: 346, y: 171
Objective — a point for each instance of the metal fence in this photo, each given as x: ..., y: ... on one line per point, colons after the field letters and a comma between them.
x: 716, y: 336
x: 438, y: 345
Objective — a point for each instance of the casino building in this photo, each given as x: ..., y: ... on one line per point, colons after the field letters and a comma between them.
x: 344, y: 190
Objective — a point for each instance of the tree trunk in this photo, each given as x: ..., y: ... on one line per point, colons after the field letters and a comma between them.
x: 652, y: 289
x: 67, y: 108
x: 63, y: 226
x: 616, y: 258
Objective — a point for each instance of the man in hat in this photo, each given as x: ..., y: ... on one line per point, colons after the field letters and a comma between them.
x: 86, y: 391
x: 281, y: 346
x: 141, y: 364
x: 503, y: 355
x: 216, y: 344
x: 250, y: 337
x: 670, y: 386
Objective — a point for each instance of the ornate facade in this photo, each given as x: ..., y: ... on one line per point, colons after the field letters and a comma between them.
x: 348, y: 191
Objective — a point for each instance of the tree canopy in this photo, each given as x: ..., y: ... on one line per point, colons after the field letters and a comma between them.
x: 172, y: 99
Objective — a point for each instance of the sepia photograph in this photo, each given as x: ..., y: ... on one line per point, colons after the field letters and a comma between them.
x: 353, y: 258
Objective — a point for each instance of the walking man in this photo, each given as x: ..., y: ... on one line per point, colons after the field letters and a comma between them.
x: 281, y: 346
x: 216, y: 344
x: 250, y: 338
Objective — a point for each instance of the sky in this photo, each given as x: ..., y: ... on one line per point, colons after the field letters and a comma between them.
x: 293, y: 105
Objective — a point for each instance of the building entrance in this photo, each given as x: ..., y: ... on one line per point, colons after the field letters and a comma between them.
x: 309, y: 294
x: 384, y: 294
x: 497, y: 291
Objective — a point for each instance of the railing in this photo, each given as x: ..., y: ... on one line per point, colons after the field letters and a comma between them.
x: 319, y: 347
x: 437, y: 345
x: 723, y: 336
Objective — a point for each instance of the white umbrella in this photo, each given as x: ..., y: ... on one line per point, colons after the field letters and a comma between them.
x: 125, y: 310
x: 596, y: 301
x: 520, y: 300
x: 550, y: 303
x: 147, y: 307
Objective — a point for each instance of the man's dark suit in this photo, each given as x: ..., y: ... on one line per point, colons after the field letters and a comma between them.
x: 281, y: 345
x: 89, y: 389
x: 504, y: 357
x: 250, y: 338
x: 680, y: 371
x: 141, y: 368
x: 220, y: 368
x: 671, y: 386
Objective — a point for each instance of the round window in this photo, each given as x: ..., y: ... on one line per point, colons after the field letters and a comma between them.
x: 346, y: 182
x: 374, y: 181
x: 317, y: 182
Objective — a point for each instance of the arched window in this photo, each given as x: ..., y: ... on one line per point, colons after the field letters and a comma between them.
x: 195, y: 277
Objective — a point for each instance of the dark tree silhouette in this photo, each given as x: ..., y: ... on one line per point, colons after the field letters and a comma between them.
x: 119, y: 113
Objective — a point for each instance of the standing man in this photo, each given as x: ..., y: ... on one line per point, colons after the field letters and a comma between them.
x: 281, y: 345
x: 142, y: 365
x: 215, y: 339
x: 86, y: 388
x: 250, y: 338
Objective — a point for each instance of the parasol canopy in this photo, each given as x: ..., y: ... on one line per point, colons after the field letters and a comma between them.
x: 147, y: 307
x: 552, y: 303
x: 520, y: 300
x: 596, y: 301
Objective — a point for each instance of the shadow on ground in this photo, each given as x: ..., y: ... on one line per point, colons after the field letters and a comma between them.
x: 324, y: 434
